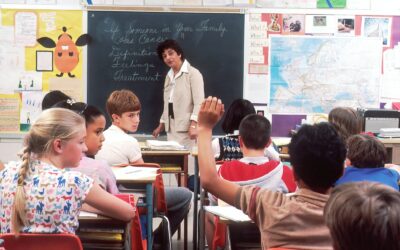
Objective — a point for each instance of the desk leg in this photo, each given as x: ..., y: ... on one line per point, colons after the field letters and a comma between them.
x: 196, y: 190
x: 201, y: 222
x: 149, y: 202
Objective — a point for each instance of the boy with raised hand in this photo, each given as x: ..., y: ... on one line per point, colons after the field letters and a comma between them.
x: 253, y: 169
x: 296, y: 221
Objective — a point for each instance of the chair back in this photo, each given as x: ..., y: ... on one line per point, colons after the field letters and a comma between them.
x: 137, y: 242
x: 160, y: 202
x: 41, y: 242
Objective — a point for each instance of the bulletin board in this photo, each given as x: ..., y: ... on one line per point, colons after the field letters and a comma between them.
x: 306, y: 64
x: 28, y: 70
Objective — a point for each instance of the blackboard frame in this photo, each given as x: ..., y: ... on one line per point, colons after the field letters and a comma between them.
x: 218, y: 53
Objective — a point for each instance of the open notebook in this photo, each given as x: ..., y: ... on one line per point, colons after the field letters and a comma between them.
x: 135, y: 173
x: 228, y: 212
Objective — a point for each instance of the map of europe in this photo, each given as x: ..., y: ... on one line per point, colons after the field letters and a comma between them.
x: 316, y: 74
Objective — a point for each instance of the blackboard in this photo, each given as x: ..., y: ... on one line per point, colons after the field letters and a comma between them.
x: 122, y: 54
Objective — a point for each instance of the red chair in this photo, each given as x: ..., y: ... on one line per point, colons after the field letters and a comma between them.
x: 160, y: 209
x: 41, y: 242
x: 137, y: 243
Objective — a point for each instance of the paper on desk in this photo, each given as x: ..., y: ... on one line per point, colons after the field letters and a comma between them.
x: 164, y: 145
x: 87, y: 214
x: 135, y: 173
x: 228, y: 212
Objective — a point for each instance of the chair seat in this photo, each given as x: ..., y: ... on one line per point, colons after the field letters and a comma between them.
x: 41, y: 242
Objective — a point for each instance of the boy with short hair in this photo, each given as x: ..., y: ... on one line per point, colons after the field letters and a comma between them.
x: 317, y: 155
x: 123, y: 106
x: 367, y: 156
x: 253, y: 169
x: 364, y: 215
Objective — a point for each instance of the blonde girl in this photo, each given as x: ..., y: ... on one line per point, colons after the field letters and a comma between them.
x: 38, y: 195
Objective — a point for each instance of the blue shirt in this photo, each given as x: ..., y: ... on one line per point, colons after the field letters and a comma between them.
x: 382, y: 175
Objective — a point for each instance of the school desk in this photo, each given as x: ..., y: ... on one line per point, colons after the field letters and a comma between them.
x: 170, y: 161
x: 141, y: 185
x: 233, y: 217
x: 392, y: 146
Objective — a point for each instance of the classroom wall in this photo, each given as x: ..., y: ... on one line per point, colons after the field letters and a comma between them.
x: 257, y: 57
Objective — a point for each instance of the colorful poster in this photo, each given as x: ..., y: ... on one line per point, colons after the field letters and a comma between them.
x: 331, y: 3
x: 293, y: 24
x: 31, y: 107
x: 9, y: 112
x: 377, y: 27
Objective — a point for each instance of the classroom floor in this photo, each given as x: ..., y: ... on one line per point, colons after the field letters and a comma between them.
x: 178, y: 244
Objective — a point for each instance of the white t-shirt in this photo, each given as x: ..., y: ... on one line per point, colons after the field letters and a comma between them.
x: 119, y: 147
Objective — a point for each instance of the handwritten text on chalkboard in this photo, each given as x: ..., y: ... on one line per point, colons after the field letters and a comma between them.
x: 133, y: 46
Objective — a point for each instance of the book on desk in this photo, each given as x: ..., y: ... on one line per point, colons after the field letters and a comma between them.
x: 135, y: 173
x: 225, y: 211
x: 163, y: 145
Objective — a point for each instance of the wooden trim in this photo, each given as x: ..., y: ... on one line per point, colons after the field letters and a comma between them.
x: 168, y: 9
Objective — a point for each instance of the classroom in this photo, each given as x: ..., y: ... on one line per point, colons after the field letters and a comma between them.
x: 294, y: 61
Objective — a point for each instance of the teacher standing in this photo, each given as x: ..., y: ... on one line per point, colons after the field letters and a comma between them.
x: 183, y: 94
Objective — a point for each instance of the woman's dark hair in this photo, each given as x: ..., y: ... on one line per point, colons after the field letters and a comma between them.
x: 317, y: 154
x: 239, y: 109
x: 365, y: 151
x: 169, y: 44
x: 89, y: 112
x: 53, y: 97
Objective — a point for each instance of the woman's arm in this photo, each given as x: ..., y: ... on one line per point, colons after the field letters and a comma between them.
x: 109, y: 205
x: 197, y: 87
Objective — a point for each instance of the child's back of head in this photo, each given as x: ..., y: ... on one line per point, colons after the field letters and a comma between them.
x: 121, y: 101
x: 255, y: 131
x: 317, y: 155
x: 365, y: 151
x: 346, y: 121
x: 52, y: 98
x: 364, y: 216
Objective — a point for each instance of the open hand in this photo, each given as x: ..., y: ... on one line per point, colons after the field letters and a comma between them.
x: 210, y: 113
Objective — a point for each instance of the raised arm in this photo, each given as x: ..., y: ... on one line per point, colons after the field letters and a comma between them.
x: 210, y: 112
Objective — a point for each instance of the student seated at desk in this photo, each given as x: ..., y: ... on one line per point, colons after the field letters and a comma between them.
x: 364, y: 216
x: 37, y: 195
x: 293, y: 221
x: 95, y: 122
x: 254, y: 168
x: 227, y: 148
x: 99, y: 170
x: 366, y: 159
x: 123, y: 106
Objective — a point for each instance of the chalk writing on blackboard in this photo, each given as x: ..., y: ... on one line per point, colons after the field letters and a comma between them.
x: 133, y: 46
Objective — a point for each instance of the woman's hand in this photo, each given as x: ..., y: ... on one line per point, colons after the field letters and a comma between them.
x: 158, y: 130
x: 192, y: 130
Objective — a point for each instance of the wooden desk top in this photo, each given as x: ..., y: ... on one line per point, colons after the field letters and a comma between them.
x: 133, y: 180
x: 389, y: 140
